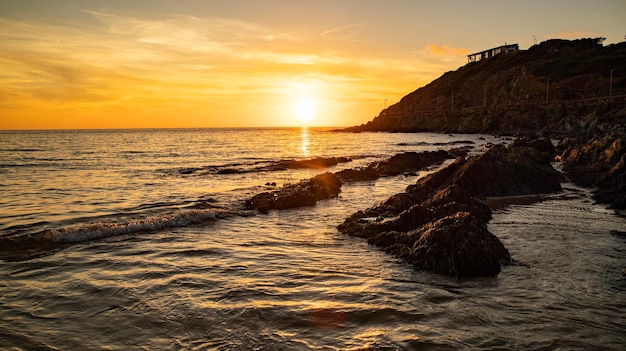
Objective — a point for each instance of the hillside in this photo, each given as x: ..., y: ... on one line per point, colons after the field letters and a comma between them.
x: 558, y: 87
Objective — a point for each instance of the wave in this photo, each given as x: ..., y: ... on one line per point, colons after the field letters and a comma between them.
x: 21, y: 245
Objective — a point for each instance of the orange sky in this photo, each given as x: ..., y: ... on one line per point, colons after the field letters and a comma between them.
x: 154, y: 64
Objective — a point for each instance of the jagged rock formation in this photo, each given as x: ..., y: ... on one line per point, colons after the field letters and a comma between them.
x: 439, y: 224
x: 328, y: 185
x: 598, y: 162
x: 558, y: 87
x: 304, y: 193
x: 397, y: 164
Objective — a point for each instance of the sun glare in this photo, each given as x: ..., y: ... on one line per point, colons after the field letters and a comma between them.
x: 305, y: 110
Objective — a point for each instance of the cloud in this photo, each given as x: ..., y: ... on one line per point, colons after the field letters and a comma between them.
x: 446, y: 50
x: 345, y: 33
x: 185, y: 63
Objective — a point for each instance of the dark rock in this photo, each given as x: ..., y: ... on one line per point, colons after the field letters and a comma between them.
x: 453, y: 199
x: 516, y: 100
x: 304, y: 193
x: 357, y: 175
x: 316, y: 163
x: 598, y: 162
x: 229, y: 171
x: 439, y: 224
x: 186, y: 171
x: 397, y: 164
x: 458, y: 245
x: 618, y: 233
x: 408, y: 161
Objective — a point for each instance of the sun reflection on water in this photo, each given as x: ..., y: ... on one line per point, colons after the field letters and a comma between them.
x: 304, y: 143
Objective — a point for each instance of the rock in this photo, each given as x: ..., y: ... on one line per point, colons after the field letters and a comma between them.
x: 408, y: 161
x: 439, y: 224
x: 459, y: 246
x: 516, y: 100
x: 304, y: 193
x: 357, y: 175
x: 324, y: 186
x: 397, y: 164
x: 315, y: 162
x: 600, y: 162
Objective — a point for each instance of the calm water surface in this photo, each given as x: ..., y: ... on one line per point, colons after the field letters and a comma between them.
x: 150, y: 268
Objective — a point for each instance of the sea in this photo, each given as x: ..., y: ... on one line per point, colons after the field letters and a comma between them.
x: 139, y: 240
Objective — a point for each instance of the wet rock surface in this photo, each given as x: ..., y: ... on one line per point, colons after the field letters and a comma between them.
x: 274, y: 166
x: 304, y: 193
x: 439, y: 224
x: 328, y: 185
x: 598, y: 161
x: 397, y: 164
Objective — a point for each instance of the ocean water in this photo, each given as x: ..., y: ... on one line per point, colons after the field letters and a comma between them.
x: 144, y: 244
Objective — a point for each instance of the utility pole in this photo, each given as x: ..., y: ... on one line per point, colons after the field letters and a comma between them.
x: 385, y: 105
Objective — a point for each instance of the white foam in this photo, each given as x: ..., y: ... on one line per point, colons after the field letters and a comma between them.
x: 104, y: 229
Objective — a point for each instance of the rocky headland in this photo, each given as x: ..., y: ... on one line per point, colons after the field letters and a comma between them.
x: 556, y: 88
x: 572, y: 91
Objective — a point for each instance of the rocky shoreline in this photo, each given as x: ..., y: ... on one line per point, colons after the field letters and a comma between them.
x: 597, y: 162
x: 327, y: 185
x: 440, y: 223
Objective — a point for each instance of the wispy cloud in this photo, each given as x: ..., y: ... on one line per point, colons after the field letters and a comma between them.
x: 348, y: 32
x: 181, y: 63
x: 446, y: 50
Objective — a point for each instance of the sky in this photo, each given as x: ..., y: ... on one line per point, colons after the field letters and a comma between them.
x: 70, y: 64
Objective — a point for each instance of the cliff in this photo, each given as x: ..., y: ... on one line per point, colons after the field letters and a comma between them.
x: 556, y: 88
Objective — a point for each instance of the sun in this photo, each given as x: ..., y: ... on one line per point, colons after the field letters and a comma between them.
x: 305, y: 110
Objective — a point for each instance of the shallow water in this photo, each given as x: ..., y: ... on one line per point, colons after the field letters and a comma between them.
x: 289, y: 281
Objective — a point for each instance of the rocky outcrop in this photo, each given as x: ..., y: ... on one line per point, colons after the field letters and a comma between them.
x: 312, y: 163
x: 327, y: 185
x: 598, y: 161
x: 304, y: 193
x: 510, y: 94
x: 397, y: 164
x: 439, y: 224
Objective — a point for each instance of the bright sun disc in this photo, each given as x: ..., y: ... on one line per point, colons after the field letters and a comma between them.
x: 305, y: 109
